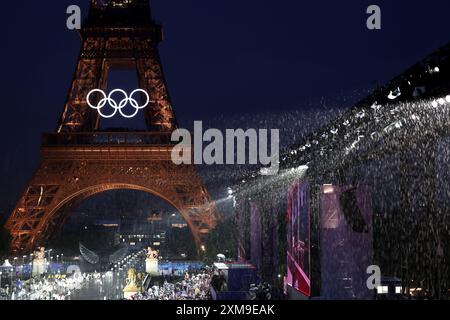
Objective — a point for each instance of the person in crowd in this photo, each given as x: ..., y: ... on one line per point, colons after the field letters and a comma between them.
x: 192, y: 287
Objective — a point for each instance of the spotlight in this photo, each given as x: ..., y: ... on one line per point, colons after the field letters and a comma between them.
x: 447, y: 98
x: 395, y: 94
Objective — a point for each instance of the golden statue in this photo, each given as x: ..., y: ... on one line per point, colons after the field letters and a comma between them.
x: 152, y: 254
x: 151, y: 263
x: 131, y: 279
x: 39, y: 262
x: 132, y: 287
x: 39, y: 255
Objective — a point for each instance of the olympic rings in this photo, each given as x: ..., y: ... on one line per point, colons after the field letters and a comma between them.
x: 113, y: 104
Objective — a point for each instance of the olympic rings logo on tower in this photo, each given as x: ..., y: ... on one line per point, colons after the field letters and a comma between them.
x: 117, y: 107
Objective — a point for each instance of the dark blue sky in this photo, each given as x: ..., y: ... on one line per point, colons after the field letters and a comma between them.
x: 227, y: 56
x: 220, y: 58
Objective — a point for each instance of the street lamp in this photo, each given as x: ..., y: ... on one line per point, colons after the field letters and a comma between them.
x: 22, y: 266
x: 31, y: 263
x: 51, y: 263
x: 49, y: 252
x: 12, y: 270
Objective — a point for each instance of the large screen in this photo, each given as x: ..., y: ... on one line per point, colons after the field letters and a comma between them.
x: 298, y: 238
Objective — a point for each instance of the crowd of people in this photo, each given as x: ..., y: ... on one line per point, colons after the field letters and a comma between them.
x: 56, y: 288
x: 194, y: 284
x: 192, y: 287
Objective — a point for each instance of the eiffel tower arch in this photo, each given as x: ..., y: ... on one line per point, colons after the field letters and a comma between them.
x: 79, y: 160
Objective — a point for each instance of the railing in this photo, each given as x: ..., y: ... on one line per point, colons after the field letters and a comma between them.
x: 107, y: 138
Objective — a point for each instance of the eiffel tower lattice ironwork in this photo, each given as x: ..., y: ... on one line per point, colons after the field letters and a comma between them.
x: 79, y: 160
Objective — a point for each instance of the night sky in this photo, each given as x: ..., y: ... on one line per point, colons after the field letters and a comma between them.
x: 220, y: 58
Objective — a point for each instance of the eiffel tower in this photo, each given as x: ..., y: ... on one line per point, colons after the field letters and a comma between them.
x: 79, y: 160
